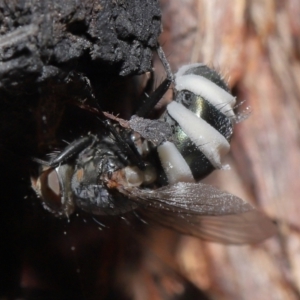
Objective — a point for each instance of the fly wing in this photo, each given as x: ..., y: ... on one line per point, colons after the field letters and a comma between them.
x: 187, y: 197
x: 246, y: 228
x: 203, y: 211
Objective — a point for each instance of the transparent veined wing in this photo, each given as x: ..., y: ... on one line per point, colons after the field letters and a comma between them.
x: 203, y: 211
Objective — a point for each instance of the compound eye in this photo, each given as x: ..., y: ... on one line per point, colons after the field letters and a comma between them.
x: 53, y: 187
x: 48, y: 188
x: 53, y: 182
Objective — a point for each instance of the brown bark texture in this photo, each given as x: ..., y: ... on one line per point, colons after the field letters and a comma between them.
x: 256, y: 44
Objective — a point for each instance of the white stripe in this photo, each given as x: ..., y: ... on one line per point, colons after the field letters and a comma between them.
x: 207, y: 139
x: 185, y: 68
x: 210, y: 91
x: 173, y: 163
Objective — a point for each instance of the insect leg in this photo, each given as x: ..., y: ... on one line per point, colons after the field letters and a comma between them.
x: 149, y: 102
x: 133, y: 156
x: 69, y: 152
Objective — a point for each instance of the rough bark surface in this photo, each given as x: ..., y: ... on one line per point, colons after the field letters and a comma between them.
x: 256, y: 44
x: 45, y: 39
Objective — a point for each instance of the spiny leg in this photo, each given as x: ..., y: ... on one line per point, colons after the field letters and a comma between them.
x: 149, y: 102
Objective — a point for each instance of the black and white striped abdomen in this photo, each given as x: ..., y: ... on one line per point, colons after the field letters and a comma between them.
x: 201, y: 118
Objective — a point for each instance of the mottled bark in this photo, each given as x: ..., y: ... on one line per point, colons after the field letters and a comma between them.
x: 256, y: 45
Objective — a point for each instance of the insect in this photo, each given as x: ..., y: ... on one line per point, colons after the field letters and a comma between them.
x: 153, y: 167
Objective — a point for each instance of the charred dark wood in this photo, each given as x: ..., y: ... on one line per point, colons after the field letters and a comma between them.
x: 45, y: 39
x: 54, y: 54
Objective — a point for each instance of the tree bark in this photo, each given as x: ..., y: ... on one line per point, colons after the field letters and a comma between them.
x: 256, y: 45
